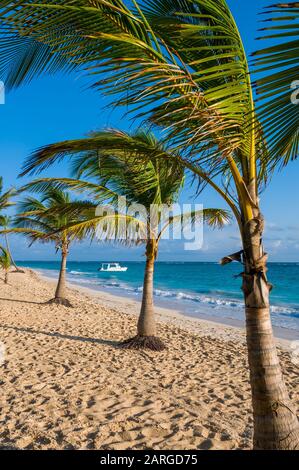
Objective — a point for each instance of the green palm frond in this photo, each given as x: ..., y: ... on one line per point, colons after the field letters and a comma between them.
x: 24, y: 58
x: 5, y: 203
x: 45, y: 219
x: 31, y: 221
x: 137, y: 166
x: 215, y: 218
x: 74, y: 210
x: 60, y: 185
x: 111, y: 227
x: 32, y: 234
x: 5, y: 199
x: 5, y: 220
x: 56, y: 38
x: 30, y: 204
x: 5, y: 260
x: 278, y: 64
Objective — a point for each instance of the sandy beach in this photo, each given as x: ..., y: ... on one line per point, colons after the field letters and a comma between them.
x: 65, y: 384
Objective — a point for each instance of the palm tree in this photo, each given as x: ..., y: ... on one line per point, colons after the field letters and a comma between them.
x: 5, y: 223
x: 182, y: 65
x: 5, y: 203
x: 41, y: 220
x: 278, y: 64
x: 144, y: 171
x: 5, y: 262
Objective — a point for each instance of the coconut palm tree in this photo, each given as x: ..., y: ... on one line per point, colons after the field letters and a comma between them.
x: 5, y: 223
x: 183, y: 66
x: 40, y: 220
x: 144, y: 171
x: 5, y: 203
x: 5, y: 262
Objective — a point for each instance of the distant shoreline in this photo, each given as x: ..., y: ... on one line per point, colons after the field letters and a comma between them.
x: 111, y: 260
x: 200, y: 292
x: 173, y: 315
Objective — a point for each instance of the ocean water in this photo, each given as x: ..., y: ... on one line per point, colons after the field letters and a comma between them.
x: 193, y: 288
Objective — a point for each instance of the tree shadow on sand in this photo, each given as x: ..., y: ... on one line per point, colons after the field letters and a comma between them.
x: 8, y: 447
x: 53, y: 301
x: 23, y: 301
x: 84, y: 339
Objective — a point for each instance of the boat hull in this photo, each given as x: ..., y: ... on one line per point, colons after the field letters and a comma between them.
x: 113, y: 270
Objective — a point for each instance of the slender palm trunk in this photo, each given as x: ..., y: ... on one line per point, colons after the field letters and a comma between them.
x: 6, y: 277
x: 60, y: 293
x: 10, y: 255
x: 146, y: 323
x: 275, y: 421
x: 146, y: 326
x: 61, y: 285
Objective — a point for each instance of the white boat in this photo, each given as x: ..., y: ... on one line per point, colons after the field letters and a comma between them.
x: 116, y: 267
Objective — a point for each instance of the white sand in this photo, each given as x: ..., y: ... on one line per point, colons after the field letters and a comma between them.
x: 65, y: 383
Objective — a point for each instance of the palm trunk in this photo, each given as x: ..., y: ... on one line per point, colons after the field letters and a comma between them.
x: 60, y: 293
x: 61, y: 285
x: 10, y: 255
x: 146, y: 326
x: 275, y: 421
x: 146, y: 323
x: 6, y: 277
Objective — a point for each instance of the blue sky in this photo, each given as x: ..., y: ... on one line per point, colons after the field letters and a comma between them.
x: 61, y: 107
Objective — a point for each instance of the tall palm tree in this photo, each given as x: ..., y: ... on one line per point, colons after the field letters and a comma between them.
x: 41, y: 220
x: 144, y: 171
x: 5, y: 262
x: 5, y: 203
x: 5, y: 223
x: 182, y: 65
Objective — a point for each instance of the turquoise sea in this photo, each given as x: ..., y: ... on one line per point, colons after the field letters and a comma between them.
x: 193, y: 288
